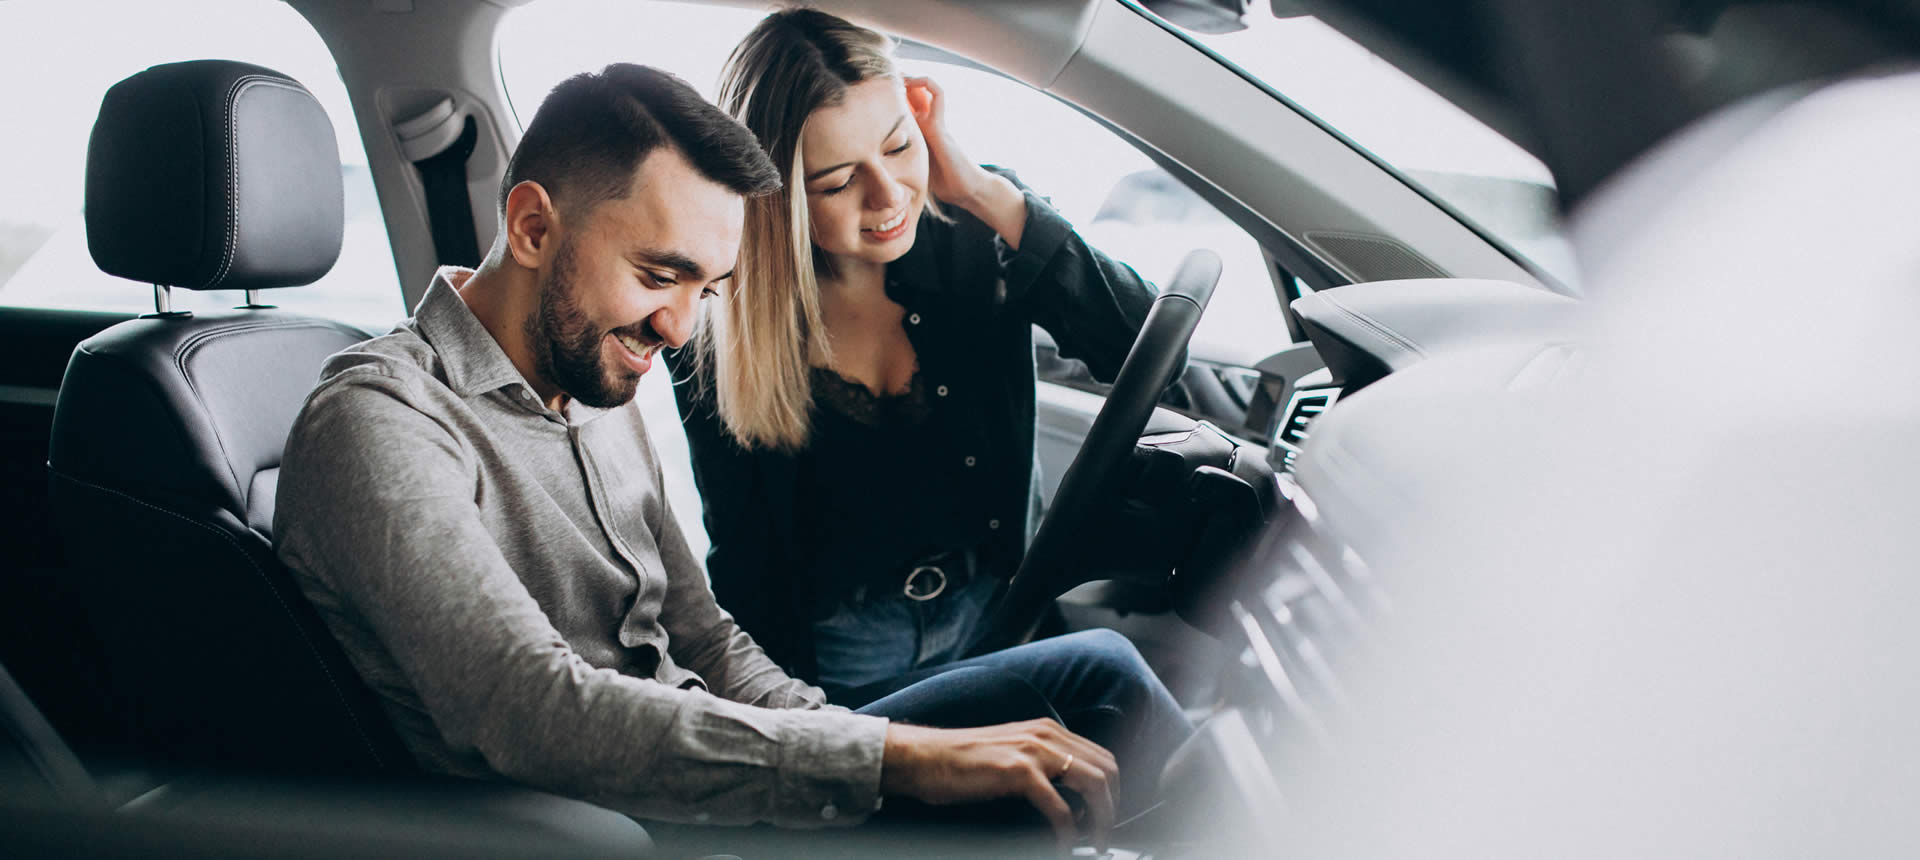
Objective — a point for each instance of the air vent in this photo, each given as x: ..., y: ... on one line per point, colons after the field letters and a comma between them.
x: 1373, y: 258
x: 1305, y: 406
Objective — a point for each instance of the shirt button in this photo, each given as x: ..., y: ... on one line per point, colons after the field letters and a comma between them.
x: 993, y: 524
x: 829, y: 812
x: 525, y: 394
x: 942, y: 391
x: 913, y: 319
x: 971, y: 460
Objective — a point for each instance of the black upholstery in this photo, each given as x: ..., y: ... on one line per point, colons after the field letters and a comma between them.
x: 213, y: 175
x: 34, y: 762
x: 182, y: 410
x: 168, y: 431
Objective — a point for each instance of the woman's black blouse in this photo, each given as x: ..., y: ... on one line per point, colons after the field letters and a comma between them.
x: 786, y: 539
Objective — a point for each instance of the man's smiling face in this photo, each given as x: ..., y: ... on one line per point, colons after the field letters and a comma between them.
x: 628, y: 277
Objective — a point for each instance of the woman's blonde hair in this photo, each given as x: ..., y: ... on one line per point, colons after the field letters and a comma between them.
x: 758, y: 345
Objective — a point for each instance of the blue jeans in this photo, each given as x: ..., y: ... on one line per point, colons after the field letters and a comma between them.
x: 1094, y: 682
x: 871, y: 638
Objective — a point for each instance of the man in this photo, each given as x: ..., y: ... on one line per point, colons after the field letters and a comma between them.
x: 473, y: 505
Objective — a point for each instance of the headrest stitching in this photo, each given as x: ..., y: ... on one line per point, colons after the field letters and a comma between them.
x: 233, y: 178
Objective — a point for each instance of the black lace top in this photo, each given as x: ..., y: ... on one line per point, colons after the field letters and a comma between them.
x: 855, y: 400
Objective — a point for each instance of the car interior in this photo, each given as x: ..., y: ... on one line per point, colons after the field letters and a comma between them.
x: 167, y: 689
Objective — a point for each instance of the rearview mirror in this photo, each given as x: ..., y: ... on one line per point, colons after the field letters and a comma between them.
x: 1203, y: 16
x: 1289, y: 8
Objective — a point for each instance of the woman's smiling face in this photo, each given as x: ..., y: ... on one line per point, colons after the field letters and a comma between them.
x: 865, y: 169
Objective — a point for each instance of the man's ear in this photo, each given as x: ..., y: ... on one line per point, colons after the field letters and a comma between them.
x: 531, y: 220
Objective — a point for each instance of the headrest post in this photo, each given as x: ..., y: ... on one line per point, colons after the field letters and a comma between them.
x: 163, y: 304
x: 253, y: 302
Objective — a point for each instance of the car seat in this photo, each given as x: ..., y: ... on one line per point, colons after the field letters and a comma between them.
x: 168, y: 430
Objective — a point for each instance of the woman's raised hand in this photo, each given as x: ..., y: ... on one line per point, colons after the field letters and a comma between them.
x: 955, y: 178
x: 951, y: 176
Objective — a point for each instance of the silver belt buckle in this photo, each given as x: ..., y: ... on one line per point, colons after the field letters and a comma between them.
x: 939, y: 579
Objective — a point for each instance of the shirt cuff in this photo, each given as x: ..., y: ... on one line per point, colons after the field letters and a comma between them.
x: 829, y: 772
x: 797, y: 695
x: 1045, y: 231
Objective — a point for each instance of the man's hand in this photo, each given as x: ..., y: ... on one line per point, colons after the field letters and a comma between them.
x: 945, y: 766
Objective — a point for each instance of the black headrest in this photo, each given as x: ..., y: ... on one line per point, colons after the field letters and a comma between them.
x: 213, y: 175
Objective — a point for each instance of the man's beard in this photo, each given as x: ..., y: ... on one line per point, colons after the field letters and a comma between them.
x: 567, y: 345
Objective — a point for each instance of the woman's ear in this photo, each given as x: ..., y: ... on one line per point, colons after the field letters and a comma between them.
x: 531, y: 219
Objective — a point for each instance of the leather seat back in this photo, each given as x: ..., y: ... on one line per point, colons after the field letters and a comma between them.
x: 168, y: 431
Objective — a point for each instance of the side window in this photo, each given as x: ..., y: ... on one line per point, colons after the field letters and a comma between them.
x: 1119, y: 200
x: 1128, y: 207
x: 53, y: 94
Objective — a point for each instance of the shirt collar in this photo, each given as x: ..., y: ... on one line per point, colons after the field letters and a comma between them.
x: 474, y: 361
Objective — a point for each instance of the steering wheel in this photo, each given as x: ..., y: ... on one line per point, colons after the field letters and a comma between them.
x: 1050, y: 567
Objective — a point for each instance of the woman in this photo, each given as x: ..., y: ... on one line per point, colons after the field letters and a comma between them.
x: 861, y: 413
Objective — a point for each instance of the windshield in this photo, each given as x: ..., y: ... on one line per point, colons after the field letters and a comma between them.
x: 1498, y: 186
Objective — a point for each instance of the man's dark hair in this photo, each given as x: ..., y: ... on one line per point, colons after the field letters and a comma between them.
x: 594, y: 129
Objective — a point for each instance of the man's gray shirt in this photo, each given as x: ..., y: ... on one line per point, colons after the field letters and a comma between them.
x: 511, y: 583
